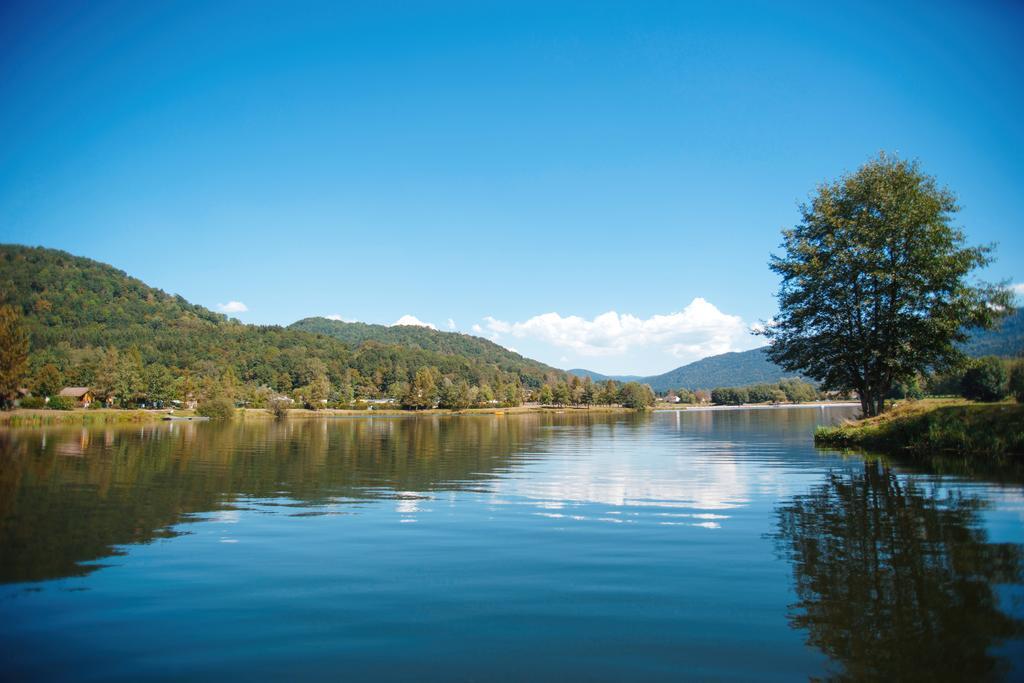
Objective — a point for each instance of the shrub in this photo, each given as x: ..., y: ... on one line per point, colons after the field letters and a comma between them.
x: 985, y: 380
x: 798, y: 390
x: 944, y: 383
x: 61, y: 403
x: 729, y: 396
x: 218, y: 408
x: 910, y: 389
x: 686, y: 396
x: 33, y: 402
x: 279, y: 406
x: 1017, y: 381
x: 761, y: 393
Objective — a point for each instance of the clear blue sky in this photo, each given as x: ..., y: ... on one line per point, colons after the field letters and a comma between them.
x: 466, y: 161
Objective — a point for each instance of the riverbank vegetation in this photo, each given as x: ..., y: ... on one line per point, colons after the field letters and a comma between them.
x: 33, y: 417
x: 785, y: 391
x: 933, y: 427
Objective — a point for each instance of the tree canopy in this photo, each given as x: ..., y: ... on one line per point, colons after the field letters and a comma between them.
x: 13, y: 354
x: 875, y: 283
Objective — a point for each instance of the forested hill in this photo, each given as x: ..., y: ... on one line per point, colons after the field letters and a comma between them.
x: 598, y: 377
x: 1007, y: 340
x: 724, y: 370
x: 412, y: 336
x: 76, y: 309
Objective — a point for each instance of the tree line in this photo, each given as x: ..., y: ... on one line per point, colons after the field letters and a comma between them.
x: 784, y: 391
x: 987, y: 379
x: 585, y: 392
x: 124, y: 379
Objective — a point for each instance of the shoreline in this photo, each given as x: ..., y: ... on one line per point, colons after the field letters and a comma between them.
x: 767, y: 406
x: 39, y: 417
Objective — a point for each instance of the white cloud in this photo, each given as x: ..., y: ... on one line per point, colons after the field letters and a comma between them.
x: 451, y: 324
x: 1018, y: 289
x: 413, y: 320
x: 233, y: 307
x: 697, y: 331
x: 337, y: 316
x: 476, y: 328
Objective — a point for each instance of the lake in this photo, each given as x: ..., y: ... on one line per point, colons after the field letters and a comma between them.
x: 700, y: 545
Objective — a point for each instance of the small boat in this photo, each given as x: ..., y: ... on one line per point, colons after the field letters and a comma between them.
x: 186, y: 418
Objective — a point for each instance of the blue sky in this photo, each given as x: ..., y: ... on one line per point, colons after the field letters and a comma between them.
x: 593, y: 184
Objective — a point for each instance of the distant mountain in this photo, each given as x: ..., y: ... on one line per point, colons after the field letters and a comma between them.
x: 724, y: 370
x: 598, y: 377
x: 1006, y: 340
x: 752, y: 367
x: 734, y: 369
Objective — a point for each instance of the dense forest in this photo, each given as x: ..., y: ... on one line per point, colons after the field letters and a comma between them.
x: 92, y: 325
x: 476, y: 349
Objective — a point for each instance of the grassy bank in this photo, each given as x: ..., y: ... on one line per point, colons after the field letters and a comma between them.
x: 935, y: 426
x: 28, y: 418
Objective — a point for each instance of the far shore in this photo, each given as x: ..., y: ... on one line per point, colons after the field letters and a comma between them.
x: 763, y: 406
x: 82, y: 416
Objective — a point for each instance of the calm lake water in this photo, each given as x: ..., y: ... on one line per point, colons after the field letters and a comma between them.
x: 671, y: 546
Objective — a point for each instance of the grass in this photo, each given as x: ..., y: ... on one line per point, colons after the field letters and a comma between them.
x: 78, y: 416
x: 935, y: 426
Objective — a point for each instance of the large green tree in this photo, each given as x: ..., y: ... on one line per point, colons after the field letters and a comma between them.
x: 875, y: 283
x: 13, y: 355
x: 637, y: 396
x: 423, y: 390
x: 48, y: 380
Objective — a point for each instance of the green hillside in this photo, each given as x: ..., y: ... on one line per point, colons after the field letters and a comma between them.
x: 1007, y: 340
x: 724, y: 370
x: 76, y: 309
x: 477, y: 349
x: 734, y: 369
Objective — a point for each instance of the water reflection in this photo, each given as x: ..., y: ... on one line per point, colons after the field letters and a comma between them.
x: 550, y: 547
x: 704, y: 462
x: 897, y: 580
x: 68, y: 496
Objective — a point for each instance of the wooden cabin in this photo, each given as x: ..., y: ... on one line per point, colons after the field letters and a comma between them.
x: 83, y: 395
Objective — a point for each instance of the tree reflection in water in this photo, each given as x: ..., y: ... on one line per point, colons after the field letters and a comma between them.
x: 896, y: 582
x: 71, y: 496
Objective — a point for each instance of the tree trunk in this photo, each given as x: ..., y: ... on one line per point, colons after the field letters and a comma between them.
x: 872, y: 403
x: 865, y: 405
